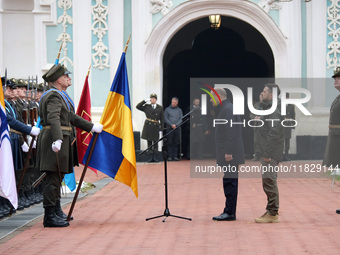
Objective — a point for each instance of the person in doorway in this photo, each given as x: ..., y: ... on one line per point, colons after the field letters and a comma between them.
x: 173, y: 118
x: 153, y: 125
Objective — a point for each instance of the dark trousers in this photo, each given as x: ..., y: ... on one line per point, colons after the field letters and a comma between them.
x: 173, y: 142
x: 269, y: 184
x: 287, y: 145
x: 51, y: 191
x: 230, y: 188
x: 153, y: 149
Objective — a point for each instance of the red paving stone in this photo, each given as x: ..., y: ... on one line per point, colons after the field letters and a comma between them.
x: 112, y: 221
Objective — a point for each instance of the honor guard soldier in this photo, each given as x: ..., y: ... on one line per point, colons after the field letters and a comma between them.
x: 331, y: 158
x: 153, y: 124
x: 55, y: 151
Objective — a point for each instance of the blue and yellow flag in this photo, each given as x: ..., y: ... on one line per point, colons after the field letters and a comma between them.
x: 8, y: 188
x: 114, y: 151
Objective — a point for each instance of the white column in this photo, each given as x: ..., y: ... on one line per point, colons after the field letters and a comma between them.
x: 45, y: 13
x: 141, y: 26
x: 316, y: 50
x: 290, y: 23
x: 116, y: 32
x: 81, y: 45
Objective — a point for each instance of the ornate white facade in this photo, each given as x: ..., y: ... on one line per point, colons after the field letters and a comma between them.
x: 303, y: 37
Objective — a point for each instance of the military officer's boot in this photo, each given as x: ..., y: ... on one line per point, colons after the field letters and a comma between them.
x: 59, y: 212
x: 52, y: 220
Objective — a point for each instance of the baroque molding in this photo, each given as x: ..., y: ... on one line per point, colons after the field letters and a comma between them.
x: 334, y: 31
x: 99, y: 28
x: 268, y: 5
x: 65, y: 19
x: 162, y: 6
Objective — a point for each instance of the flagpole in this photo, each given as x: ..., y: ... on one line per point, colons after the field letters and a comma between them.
x: 127, y: 43
x: 88, y: 72
x: 57, y: 59
x: 88, y: 158
x: 82, y: 177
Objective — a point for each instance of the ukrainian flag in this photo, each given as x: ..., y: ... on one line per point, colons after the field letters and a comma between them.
x: 8, y: 187
x: 114, y: 151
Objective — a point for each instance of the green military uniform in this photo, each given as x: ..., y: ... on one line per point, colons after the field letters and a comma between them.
x: 57, y: 118
x: 153, y: 124
x: 332, y: 157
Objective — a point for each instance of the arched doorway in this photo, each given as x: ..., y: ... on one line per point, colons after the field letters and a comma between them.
x: 235, y: 50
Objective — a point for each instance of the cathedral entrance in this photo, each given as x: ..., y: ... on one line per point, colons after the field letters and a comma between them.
x: 235, y: 50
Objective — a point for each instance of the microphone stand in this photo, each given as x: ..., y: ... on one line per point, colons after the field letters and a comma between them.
x: 165, y: 159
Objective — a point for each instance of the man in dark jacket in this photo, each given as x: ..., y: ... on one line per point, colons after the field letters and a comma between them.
x: 331, y: 158
x: 55, y: 154
x: 290, y: 115
x: 272, y: 141
x: 229, y: 152
x: 172, y: 118
x: 153, y: 124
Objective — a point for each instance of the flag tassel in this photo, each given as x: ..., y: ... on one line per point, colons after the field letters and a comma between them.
x: 82, y: 177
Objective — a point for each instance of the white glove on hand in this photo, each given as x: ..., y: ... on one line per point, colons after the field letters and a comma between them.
x: 98, y: 128
x: 35, y: 131
x: 56, y: 145
x: 25, y: 147
x: 29, y: 140
x: 147, y: 101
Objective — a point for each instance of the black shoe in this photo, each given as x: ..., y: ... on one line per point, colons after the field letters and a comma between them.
x: 150, y: 160
x: 176, y: 159
x: 225, y: 217
x: 51, y: 220
x: 59, y: 212
x: 155, y: 158
x: 338, y: 211
x: 169, y: 158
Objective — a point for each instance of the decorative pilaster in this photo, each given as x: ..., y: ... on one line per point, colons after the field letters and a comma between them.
x: 65, y: 19
x: 334, y: 31
x: 162, y: 6
x: 99, y: 28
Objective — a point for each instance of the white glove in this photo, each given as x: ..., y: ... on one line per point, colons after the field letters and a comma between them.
x: 25, y: 147
x: 29, y: 140
x: 98, y: 128
x: 56, y: 145
x: 35, y: 131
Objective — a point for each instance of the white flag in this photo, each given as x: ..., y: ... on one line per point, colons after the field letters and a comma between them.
x: 8, y: 187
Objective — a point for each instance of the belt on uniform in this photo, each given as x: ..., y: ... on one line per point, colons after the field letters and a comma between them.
x: 14, y: 131
x: 156, y: 121
x: 67, y: 128
x: 334, y: 126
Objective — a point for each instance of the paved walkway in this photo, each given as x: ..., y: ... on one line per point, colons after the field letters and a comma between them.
x: 112, y: 220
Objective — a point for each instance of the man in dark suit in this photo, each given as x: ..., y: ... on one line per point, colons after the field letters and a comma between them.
x: 153, y: 124
x: 290, y: 115
x: 331, y: 158
x: 229, y: 152
x: 55, y: 154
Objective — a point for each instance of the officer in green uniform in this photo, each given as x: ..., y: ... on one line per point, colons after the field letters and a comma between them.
x: 153, y: 124
x: 331, y: 158
x: 54, y: 148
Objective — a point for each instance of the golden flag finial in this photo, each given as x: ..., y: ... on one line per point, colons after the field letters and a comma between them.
x: 127, y: 43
